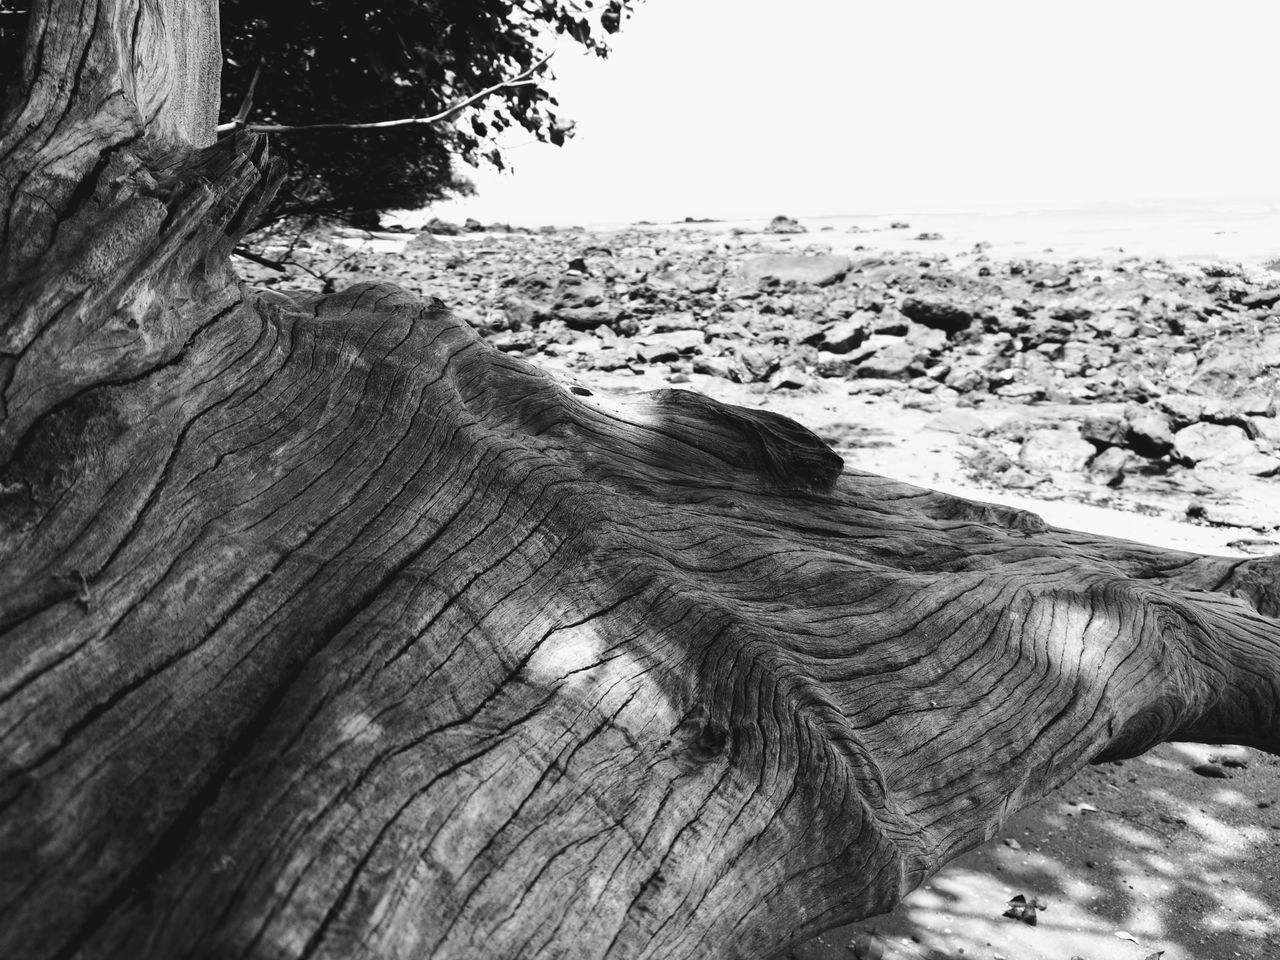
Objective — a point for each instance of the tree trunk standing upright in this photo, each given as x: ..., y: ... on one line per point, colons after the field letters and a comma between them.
x: 328, y: 631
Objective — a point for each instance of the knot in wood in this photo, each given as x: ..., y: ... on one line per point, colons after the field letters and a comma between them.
x: 711, y: 741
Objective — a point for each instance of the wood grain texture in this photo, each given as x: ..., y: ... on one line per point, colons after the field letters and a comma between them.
x: 328, y: 631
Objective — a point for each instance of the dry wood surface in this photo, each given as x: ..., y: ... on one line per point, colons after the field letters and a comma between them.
x: 326, y: 630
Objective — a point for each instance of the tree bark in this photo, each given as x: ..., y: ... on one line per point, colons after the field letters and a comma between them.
x: 329, y: 631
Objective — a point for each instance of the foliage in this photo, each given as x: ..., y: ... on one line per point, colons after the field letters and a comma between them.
x: 333, y: 60
x: 323, y: 61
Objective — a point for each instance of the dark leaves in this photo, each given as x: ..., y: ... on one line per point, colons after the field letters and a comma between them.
x: 1211, y: 770
x: 559, y: 131
x: 1024, y: 910
x: 611, y: 19
x: 394, y: 59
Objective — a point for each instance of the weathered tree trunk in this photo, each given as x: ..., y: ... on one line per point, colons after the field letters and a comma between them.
x: 328, y: 631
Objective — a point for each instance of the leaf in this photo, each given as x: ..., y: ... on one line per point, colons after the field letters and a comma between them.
x: 867, y: 946
x: 1023, y: 910
x: 1124, y: 935
x: 1211, y: 770
x: 611, y: 19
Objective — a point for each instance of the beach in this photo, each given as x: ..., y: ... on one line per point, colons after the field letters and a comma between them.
x: 1115, y: 375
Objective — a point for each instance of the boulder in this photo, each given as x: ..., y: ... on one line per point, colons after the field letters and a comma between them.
x: 938, y: 313
x: 721, y: 367
x: 1109, y: 466
x: 784, y: 224
x: 834, y: 365
x: 896, y: 361
x: 587, y: 318
x: 1224, y: 447
x: 818, y: 270
x: 662, y: 347
x: 1147, y: 431
x: 441, y: 227
x: 843, y: 336
x: 1104, y: 432
x: 1227, y: 371
x: 789, y: 378
x: 757, y: 363
x: 574, y: 291
x: 424, y: 240
x: 1049, y: 450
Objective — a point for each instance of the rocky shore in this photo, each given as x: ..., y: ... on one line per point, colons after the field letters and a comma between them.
x: 1117, y: 391
x: 1147, y: 385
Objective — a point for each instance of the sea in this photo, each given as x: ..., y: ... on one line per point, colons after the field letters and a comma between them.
x: 1243, y: 231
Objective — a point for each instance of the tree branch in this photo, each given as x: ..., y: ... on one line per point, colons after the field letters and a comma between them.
x: 522, y: 79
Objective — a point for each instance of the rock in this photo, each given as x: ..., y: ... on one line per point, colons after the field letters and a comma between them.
x: 1183, y: 408
x: 1261, y: 299
x: 789, y: 378
x: 834, y: 365
x: 1015, y: 478
x: 1050, y: 450
x: 924, y: 338
x: 441, y: 227
x: 784, y: 224
x: 721, y: 367
x: 816, y: 270
x: 1147, y: 431
x: 937, y: 313
x: 874, y: 386
x: 1023, y: 390
x: 1213, y: 444
x: 928, y: 235
x: 1104, y: 432
x: 889, y: 323
x: 1229, y: 371
x: 574, y: 291
x: 899, y: 225
x: 664, y: 347
x: 521, y: 312
x: 843, y: 336
x: 1259, y: 403
x: 757, y: 363
x: 1266, y: 430
x: 1108, y: 466
x: 472, y: 225
x: 587, y: 318
x: 671, y: 322
x: 424, y: 240
x: 958, y: 421
x: 842, y: 307
x: 897, y: 361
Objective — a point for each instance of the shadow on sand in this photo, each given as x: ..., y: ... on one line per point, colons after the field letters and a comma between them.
x: 1130, y: 859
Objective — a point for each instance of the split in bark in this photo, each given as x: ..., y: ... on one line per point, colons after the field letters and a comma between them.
x: 328, y: 631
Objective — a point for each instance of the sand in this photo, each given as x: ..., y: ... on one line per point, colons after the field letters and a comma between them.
x: 1129, y: 861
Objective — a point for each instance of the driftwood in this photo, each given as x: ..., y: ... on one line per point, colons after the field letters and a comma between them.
x: 328, y: 631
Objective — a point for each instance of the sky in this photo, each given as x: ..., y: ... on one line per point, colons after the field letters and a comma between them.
x: 742, y: 108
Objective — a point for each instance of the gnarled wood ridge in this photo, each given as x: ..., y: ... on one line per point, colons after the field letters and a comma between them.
x: 328, y: 631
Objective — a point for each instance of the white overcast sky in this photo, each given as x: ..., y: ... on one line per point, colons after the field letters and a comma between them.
x: 742, y: 108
